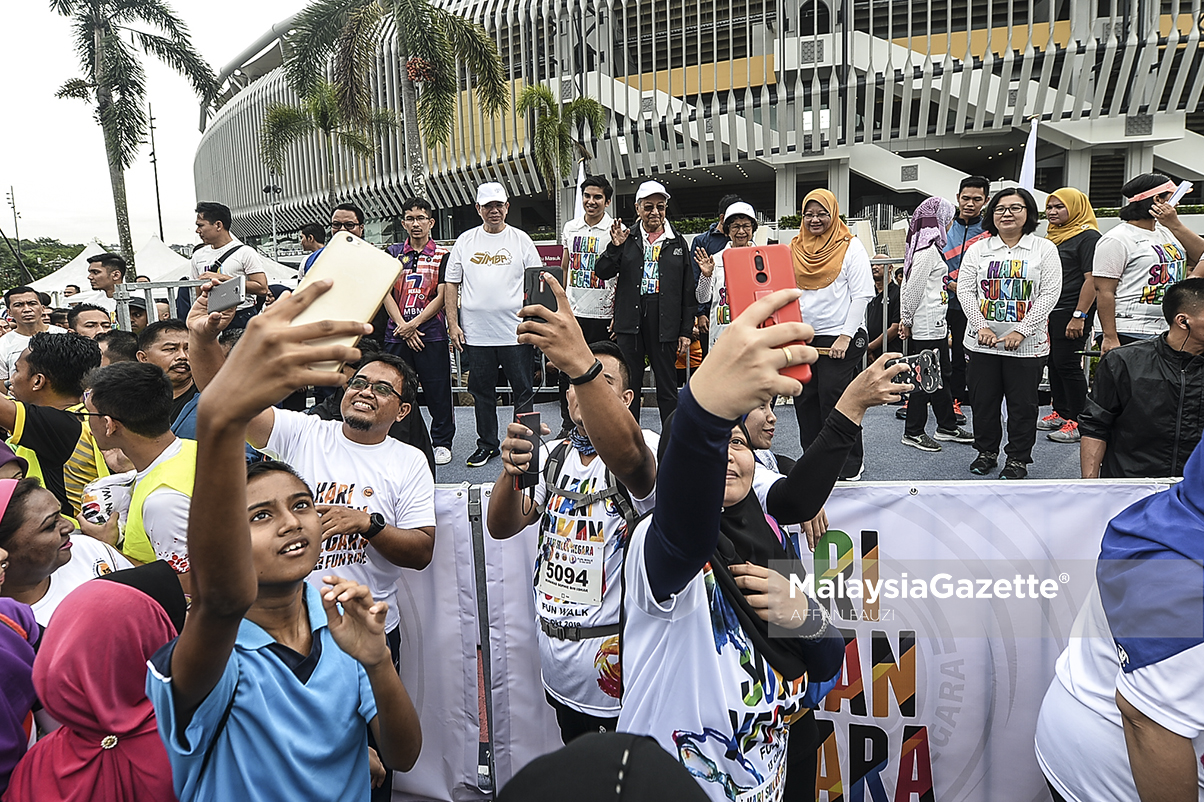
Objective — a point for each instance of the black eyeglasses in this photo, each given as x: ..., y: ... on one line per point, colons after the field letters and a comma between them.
x: 415, y: 219
x: 379, y: 389
x: 337, y: 225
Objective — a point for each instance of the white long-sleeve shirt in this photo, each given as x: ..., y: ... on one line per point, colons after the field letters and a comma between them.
x: 839, y: 308
x: 1010, y: 289
x: 924, y: 299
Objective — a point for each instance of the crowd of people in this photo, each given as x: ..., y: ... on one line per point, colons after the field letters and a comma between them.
x: 276, y: 577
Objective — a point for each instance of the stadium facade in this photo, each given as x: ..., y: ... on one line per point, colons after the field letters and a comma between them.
x: 883, y: 101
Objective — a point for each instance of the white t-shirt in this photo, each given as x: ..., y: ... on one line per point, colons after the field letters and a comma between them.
x: 90, y: 558
x: 688, y: 666
x: 589, y: 295
x: 1146, y: 263
x: 924, y: 301
x: 839, y: 308
x: 1080, y: 740
x: 390, y: 477
x: 1010, y: 289
x: 245, y: 262
x: 165, y: 515
x: 489, y: 269
x: 583, y: 675
x: 11, y: 346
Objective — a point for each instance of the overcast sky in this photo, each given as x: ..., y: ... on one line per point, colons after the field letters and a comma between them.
x: 52, y: 151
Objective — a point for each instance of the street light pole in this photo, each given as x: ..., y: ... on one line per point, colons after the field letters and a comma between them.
x: 272, y: 191
x: 155, y: 163
x: 12, y: 201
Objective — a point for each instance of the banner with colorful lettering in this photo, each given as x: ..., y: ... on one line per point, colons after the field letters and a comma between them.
x: 955, y: 601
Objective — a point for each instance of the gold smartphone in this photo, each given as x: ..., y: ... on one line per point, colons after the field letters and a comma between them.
x: 362, y: 276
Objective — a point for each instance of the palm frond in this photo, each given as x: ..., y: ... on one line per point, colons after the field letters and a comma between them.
x: 381, y: 121
x: 153, y: 12
x: 356, y: 142
x: 125, y: 119
x: 585, y: 111
x: 282, y: 126
x: 354, y: 58
x: 322, y: 105
x: 473, y: 45
x: 181, y: 57
x: 311, y: 42
x: 537, y: 98
x: 544, y: 145
x: 65, y: 8
x: 77, y: 89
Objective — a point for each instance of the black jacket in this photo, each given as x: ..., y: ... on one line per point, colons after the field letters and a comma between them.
x: 677, y: 284
x: 1148, y: 405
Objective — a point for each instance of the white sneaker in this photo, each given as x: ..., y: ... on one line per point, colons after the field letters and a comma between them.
x: 442, y: 455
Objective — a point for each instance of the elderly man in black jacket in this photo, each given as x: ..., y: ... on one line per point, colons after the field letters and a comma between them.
x: 654, y: 297
x: 1145, y: 413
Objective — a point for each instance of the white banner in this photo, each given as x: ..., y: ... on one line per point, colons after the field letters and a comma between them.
x: 928, y: 707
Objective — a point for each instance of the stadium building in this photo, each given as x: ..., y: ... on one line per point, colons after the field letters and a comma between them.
x: 882, y: 101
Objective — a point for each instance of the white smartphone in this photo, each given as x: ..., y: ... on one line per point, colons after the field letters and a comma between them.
x: 228, y: 294
x: 362, y: 276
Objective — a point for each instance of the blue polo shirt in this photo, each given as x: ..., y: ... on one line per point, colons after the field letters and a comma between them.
x: 284, y: 738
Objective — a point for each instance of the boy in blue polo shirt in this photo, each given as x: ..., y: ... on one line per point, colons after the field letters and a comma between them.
x: 262, y: 696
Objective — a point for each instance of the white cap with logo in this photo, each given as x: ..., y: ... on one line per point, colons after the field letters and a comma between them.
x: 651, y: 188
x: 489, y: 192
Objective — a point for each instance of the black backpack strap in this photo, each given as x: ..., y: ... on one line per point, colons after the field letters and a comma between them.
x: 226, y: 256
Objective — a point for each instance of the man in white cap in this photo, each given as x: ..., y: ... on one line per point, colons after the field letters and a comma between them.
x: 654, y: 298
x: 484, y: 293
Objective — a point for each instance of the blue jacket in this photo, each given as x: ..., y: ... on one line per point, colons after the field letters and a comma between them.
x: 962, y: 235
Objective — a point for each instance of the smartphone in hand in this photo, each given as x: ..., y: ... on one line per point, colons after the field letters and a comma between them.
x: 228, y: 294
x: 530, y: 477
x: 752, y: 273
x: 536, y: 289
x: 924, y: 371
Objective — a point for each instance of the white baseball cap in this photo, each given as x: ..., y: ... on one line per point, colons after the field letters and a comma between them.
x: 489, y: 192
x: 740, y: 208
x: 651, y: 188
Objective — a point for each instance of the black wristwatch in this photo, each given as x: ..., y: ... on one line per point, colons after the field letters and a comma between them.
x: 589, y: 375
x: 378, y: 525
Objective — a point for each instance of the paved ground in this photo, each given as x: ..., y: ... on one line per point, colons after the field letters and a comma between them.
x: 886, y: 459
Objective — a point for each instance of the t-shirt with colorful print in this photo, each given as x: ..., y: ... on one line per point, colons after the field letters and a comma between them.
x: 417, y: 286
x: 1146, y: 264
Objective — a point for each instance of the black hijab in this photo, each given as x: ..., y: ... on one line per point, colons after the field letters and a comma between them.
x: 745, y: 535
x: 159, y: 581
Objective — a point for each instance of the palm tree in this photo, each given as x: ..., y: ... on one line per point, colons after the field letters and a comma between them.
x: 108, y: 50
x: 429, y: 38
x: 558, y: 136
x: 320, y: 111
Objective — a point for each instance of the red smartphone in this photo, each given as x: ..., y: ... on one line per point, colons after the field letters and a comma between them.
x: 754, y: 272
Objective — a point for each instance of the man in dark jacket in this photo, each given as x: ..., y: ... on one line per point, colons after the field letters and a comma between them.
x: 654, y: 298
x: 1145, y: 413
x: 967, y: 229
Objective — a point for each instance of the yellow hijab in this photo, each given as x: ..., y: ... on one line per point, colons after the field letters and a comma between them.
x: 818, y: 259
x: 1082, y: 216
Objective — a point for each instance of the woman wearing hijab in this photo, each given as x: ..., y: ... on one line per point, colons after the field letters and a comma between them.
x: 1007, y: 285
x: 1136, y: 261
x: 1072, y: 227
x: 701, y: 673
x: 922, y: 321
x: 832, y: 269
x: 90, y: 675
x: 19, y: 633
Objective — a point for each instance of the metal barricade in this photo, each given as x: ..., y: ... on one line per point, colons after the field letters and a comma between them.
x: 124, y: 293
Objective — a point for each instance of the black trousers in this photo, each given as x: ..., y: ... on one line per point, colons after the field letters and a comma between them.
x: 518, y: 363
x: 662, y: 357
x: 955, y: 378
x: 1067, y: 382
x: 941, y: 400
x: 433, y: 366
x: 594, y: 330
x: 829, y: 378
x: 574, y: 723
x: 993, y: 378
x: 802, y: 757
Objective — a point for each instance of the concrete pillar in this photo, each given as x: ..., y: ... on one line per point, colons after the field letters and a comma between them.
x: 838, y: 182
x: 1078, y: 170
x: 1139, y: 158
x: 786, y: 195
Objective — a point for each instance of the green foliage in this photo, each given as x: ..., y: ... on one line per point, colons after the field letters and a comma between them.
x: 790, y: 221
x: 42, y: 256
x: 691, y: 225
x: 556, y: 127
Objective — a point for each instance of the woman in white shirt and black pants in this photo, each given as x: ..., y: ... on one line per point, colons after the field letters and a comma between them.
x: 1008, y: 285
x: 833, y: 269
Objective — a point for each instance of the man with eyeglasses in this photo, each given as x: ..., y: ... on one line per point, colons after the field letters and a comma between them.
x: 484, y: 293
x: 416, y: 329
x: 654, y: 298
x: 375, y: 494
x: 224, y: 257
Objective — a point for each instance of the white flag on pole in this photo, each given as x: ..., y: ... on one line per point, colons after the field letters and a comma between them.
x: 579, y: 206
x: 1028, y: 168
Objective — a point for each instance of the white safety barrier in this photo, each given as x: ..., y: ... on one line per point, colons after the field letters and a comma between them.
x: 924, y: 707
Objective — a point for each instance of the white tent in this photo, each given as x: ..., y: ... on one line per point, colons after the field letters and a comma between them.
x: 159, y: 263
x: 74, y: 272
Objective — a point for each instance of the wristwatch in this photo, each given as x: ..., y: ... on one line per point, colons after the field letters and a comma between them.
x: 1079, y: 315
x: 589, y: 375
x: 378, y: 524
